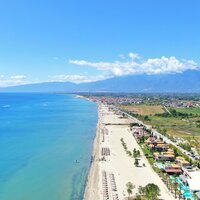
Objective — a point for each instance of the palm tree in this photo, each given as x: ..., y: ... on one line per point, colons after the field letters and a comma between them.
x: 141, y: 190
x: 130, y: 188
x: 134, y: 153
x: 138, y: 153
x: 170, y: 185
x: 163, y: 176
x: 167, y: 179
x: 129, y: 153
x: 136, y: 163
x: 176, y: 189
x: 179, y: 194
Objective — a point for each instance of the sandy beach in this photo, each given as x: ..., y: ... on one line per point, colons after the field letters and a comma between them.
x: 112, y: 168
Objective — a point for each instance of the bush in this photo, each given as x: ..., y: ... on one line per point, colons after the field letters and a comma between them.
x: 150, y: 191
x: 186, y: 146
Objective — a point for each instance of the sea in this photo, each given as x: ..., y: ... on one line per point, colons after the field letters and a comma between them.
x: 45, y: 145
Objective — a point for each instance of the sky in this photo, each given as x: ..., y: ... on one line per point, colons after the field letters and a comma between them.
x: 82, y: 41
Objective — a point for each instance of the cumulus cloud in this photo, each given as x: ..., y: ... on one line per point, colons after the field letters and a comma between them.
x: 12, y: 80
x: 135, y: 64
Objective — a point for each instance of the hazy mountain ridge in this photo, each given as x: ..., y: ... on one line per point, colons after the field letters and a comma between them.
x: 188, y: 81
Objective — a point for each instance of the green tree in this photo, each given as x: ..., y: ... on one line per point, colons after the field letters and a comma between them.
x: 134, y: 153
x: 150, y: 191
x: 141, y: 190
x: 129, y: 188
x: 138, y: 153
x: 129, y: 153
x: 173, y: 112
x: 146, y: 118
x: 136, y: 163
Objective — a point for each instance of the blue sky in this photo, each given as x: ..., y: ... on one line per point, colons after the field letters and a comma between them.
x: 76, y: 40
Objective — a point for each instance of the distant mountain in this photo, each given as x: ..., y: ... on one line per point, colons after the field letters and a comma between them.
x: 188, y: 81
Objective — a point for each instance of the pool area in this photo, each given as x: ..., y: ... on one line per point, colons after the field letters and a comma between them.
x: 181, y: 185
x: 185, y: 190
x: 180, y: 181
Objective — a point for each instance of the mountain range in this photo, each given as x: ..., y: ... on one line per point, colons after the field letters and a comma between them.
x: 188, y: 81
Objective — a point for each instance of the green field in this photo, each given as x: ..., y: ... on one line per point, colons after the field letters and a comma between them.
x: 176, y: 126
x: 195, y: 111
x: 183, y: 126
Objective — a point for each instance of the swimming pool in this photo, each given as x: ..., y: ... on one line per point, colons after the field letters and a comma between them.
x: 188, y: 195
x: 186, y: 190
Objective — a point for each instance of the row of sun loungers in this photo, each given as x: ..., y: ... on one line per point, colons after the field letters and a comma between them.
x: 105, y: 186
x: 106, y: 195
x: 112, y: 182
x: 113, y: 187
x: 105, y: 151
x: 115, y: 196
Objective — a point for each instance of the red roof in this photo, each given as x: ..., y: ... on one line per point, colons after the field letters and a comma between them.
x: 173, y: 170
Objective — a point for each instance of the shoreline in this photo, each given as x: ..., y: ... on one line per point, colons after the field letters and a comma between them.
x: 91, y: 187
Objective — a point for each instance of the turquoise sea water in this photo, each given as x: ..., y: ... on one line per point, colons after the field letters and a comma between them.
x: 41, y: 137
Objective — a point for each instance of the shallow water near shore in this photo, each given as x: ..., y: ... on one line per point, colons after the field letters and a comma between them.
x: 45, y: 146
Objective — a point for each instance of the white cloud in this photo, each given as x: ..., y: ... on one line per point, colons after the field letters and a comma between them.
x: 12, y: 80
x: 75, y: 78
x: 18, y: 77
x: 136, y: 65
x: 134, y: 56
x: 72, y: 78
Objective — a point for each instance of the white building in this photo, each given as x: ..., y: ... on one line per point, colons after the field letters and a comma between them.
x: 193, y: 179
